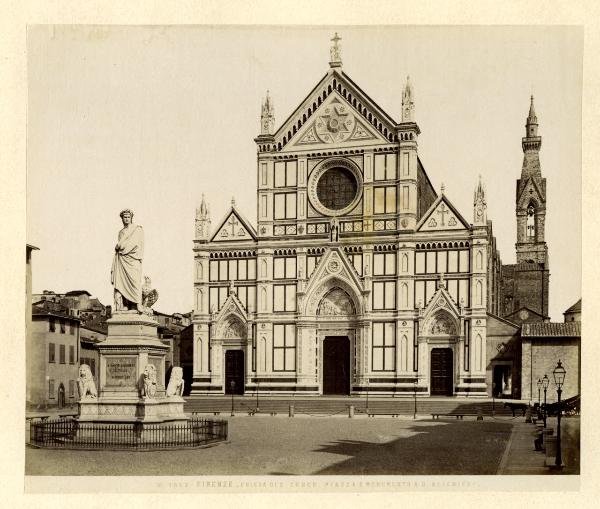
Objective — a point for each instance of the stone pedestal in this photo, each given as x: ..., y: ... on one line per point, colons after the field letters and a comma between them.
x: 131, y: 345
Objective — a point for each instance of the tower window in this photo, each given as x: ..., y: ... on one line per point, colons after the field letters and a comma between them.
x: 531, y: 221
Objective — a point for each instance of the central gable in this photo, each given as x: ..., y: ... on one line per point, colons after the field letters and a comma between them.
x: 335, y: 121
x: 335, y: 111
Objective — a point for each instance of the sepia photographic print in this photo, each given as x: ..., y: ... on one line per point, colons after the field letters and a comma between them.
x: 304, y: 258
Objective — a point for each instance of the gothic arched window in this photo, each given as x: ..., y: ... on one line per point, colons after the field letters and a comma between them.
x: 530, y: 221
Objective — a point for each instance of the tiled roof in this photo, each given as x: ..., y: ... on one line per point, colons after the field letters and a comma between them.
x: 575, y: 308
x: 52, y: 309
x: 551, y: 329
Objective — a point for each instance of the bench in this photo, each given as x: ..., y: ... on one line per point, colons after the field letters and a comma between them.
x: 436, y: 416
x: 31, y: 417
x: 373, y: 413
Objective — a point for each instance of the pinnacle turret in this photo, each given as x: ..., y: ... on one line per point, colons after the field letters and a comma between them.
x: 479, y: 204
x: 267, y: 116
x: 202, y: 220
x: 408, y: 103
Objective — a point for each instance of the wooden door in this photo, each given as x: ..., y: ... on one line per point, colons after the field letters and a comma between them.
x: 234, y: 372
x: 336, y: 365
x: 442, y: 372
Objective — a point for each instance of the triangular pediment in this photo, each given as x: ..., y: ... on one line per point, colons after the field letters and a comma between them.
x: 441, y: 315
x: 334, y: 271
x: 232, y: 306
x: 524, y: 314
x: 335, y: 111
x: 233, y: 227
x: 334, y: 122
x: 442, y: 215
x: 530, y: 190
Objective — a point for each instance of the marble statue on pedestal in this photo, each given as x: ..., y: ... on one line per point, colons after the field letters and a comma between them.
x: 176, y: 383
x: 126, y: 273
x: 85, y: 383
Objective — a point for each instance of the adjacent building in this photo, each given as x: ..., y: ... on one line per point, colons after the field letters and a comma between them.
x: 53, y: 357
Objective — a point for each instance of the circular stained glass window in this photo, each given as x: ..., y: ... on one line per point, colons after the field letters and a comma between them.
x: 337, y: 188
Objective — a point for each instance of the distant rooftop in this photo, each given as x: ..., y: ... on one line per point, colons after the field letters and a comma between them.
x: 551, y: 329
x: 575, y: 308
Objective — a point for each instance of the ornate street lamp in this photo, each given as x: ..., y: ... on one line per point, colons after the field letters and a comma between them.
x: 257, y: 395
x: 539, y: 386
x: 415, y: 411
x: 232, y: 385
x: 545, y: 384
x: 559, y: 379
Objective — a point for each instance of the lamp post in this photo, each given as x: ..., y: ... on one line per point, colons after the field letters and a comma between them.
x: 545, y: 383
x: 559, y: 379
x: 232, y: 385
x: 415, y: 411
x: 257, y: 383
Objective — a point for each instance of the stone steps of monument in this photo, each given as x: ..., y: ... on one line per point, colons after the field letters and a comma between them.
x: 246, y: 404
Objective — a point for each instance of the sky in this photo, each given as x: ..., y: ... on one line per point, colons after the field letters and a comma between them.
x: 151, y: 118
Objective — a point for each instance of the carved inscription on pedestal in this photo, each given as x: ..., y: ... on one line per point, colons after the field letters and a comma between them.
x: 121, y: 371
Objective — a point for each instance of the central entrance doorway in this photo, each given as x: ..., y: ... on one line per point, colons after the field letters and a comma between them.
x: 234, y: 372
x: 442, y: 372
x: 336, y: 365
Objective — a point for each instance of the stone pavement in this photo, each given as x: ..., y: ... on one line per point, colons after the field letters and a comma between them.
x: 264, y: 445
x: 521, y: 458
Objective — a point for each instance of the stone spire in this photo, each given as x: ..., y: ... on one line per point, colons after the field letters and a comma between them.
x: 531, y: 142
x: 479, y: 204
x: 267, y: 116
x: 408, y: 103
x: 202, y: 221
x: 335, y: 52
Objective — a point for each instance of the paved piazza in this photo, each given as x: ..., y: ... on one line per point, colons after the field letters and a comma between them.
x: 264, y: 445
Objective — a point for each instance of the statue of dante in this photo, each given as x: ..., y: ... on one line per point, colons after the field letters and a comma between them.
x: 126, y: 273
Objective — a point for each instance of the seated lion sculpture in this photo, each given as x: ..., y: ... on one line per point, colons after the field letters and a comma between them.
x: 176, y: 383
x: 85, y: 383
x: 148, y: 386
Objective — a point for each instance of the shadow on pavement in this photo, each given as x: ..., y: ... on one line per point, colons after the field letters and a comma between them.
x: 449, y: 448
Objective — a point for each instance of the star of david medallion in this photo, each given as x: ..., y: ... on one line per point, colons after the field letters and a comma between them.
x: 335, y: 124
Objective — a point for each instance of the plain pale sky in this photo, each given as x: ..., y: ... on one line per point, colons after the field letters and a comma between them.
x: 149, y: 118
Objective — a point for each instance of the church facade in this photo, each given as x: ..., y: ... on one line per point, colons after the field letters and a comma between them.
x: 359, y: 275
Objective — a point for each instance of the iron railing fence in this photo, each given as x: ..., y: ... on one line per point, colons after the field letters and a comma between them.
x: 70, y: 434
